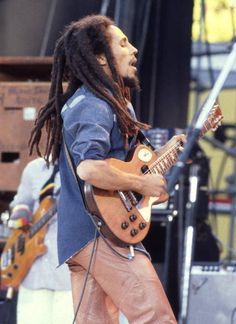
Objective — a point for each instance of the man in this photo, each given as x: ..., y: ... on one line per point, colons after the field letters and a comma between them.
x: 98, y: 122
x: 44, y: 295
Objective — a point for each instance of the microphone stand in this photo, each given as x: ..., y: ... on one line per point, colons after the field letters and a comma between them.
x: 200, y: 118
x: 189, y: 240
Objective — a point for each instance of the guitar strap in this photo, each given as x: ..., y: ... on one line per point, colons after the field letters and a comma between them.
x: 48, y: 188
x: 73, y: 168
x: 144, y: 140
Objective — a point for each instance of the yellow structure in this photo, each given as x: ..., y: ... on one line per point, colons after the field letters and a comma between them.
x: 219, y: 25
x: 220, y: 20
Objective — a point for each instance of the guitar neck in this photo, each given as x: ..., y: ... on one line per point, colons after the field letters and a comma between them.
x: 166, y: 160
x: 170, y: 157
x: 43, y: 221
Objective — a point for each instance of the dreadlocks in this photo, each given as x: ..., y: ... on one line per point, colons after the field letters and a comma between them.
x: 75, y: 62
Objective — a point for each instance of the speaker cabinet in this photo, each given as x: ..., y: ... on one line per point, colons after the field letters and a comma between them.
x: 212, y: 295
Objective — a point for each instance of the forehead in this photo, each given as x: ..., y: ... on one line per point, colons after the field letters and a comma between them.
x: 115, y: 33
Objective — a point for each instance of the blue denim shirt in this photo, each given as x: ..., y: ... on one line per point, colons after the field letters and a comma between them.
x: 91, y: 132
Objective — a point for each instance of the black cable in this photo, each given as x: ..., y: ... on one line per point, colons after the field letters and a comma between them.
x: 114, y: 250
x: 98, y: 227
x: 86, y: 277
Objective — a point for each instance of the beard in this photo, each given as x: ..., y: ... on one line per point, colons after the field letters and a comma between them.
x: 132, y: 83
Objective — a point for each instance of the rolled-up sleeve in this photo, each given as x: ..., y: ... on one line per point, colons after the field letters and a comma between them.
x: 88, y: 126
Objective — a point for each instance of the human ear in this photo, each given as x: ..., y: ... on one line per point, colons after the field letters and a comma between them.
x: 102, y: 59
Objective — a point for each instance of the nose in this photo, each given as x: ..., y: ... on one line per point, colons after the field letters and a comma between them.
x: 133, y: 49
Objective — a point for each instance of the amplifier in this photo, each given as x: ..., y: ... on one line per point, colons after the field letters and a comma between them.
x: 212, y: 294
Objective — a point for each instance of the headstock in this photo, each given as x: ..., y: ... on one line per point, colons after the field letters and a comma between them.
x: 213, y: 120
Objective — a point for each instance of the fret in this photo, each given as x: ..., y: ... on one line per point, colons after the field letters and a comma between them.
x: 165, y: 163
x: 169, y: 159
x: 173, y: 157
x: 157, y: 169
x: 161, y: 168
x: 154, y: 170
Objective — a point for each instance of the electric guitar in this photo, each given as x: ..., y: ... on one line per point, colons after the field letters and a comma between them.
x: 25, y: 245
x: 127, y: 214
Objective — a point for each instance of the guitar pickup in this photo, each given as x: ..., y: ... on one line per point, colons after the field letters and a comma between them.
x: 21, y: 244
x: 133, y: 198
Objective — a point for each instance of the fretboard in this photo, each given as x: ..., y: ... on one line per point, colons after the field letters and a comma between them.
x: 166, y: 160
x: 40, y: 223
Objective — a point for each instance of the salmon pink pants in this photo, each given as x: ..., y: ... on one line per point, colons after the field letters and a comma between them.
x: 117, y: 284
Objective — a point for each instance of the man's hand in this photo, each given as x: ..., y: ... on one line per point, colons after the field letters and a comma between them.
x: 154, y: 185
x: 171, y: 143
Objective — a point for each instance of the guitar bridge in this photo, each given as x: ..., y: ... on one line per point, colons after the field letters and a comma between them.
x: 125, y: 200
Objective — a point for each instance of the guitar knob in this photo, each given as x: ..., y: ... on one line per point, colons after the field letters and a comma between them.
x: 133, y: 232
x: 142, y: 225
x: 132, y: 218
x: 124, y: 225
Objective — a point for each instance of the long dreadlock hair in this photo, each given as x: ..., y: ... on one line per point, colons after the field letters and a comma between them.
x: 75, y: 62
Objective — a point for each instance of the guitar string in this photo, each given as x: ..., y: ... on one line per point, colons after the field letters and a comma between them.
x: 163, y: 157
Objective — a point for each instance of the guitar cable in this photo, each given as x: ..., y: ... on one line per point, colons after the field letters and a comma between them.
x: 86, y: 276
x: 98, y: 226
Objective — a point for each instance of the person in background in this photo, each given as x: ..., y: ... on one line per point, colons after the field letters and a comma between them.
x: 44, y: 296
x: 96, y: 119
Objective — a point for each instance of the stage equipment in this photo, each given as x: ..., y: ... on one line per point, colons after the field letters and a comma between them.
x: 189, y: 236
x: 193, y: 135
x: 211, y: 294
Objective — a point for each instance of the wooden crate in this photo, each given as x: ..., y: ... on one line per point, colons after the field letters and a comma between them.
x: 19, y: 104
